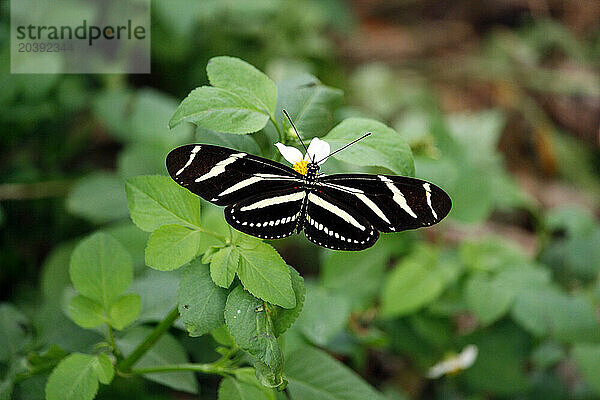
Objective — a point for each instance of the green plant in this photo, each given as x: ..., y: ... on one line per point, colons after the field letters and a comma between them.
x: 233, y: 286
x: 223, y: 304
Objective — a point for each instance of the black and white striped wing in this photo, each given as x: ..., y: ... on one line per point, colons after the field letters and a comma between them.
x: 331, y: 223
x: 225, y: 176
x: 272, y: 215
x: 390, y: 203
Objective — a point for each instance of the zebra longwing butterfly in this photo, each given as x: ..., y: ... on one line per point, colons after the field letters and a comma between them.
x: 269, y: 200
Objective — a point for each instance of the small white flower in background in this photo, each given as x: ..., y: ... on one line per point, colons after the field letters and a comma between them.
x: 454, y: 364
x: 317, y: 151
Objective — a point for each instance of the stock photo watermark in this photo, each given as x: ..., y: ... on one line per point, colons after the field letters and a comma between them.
x: 80, y: 36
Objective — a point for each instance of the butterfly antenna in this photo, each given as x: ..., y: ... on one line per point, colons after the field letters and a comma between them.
x: 295, y: 130
x: 348, y: 145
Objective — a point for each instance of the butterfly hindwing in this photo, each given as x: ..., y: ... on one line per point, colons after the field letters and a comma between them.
x: 272, y: 215
x: 390, y: 203
x: 224, y: 176
x: 332, y: 224
x: 270, y: 201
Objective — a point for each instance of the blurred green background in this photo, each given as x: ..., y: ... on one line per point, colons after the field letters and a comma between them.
x: 500, y: 102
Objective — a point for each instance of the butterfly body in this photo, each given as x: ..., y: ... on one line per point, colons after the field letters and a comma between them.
x: 269, y: 200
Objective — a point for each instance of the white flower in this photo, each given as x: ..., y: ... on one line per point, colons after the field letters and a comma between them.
x: 454, y: 364
x: 317, y: 151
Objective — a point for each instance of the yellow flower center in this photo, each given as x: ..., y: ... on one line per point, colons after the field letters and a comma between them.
x: 301, y: 167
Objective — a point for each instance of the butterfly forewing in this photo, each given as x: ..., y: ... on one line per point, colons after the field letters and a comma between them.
x: 272, y: 215
x: 224, y: 176
x: 390, y: 203
x: 271, y: 201
x: 331, y: 223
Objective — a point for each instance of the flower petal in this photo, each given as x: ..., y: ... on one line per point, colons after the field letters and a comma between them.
x: 318, y: 150
x: 468, y: 356
x: 291, y: 154
x: 458, y: 362
x: 438, y: 370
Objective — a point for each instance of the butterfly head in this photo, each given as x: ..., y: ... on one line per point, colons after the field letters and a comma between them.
x: 312, y: 170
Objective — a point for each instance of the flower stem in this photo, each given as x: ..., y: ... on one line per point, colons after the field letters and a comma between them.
x: 279, y: 131
x: 280, y: 134
x: 204, y: 368
x: 150, y: 340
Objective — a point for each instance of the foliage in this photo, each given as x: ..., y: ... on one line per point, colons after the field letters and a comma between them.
x: 231, y: 316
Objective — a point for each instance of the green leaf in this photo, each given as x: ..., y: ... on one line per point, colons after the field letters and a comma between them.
x: 158, y: 291
x: 133, y: 239
x: 285, y: 317
x: 587, y: 357
x: 165, y: 352
x: 157, y: 200
x: 324, y: 316
x: 212, y: 219
x: 55, y: 272
x: 547, y: 310
x: 313, y: 374
x: 488, y: 299
x: 470, y: 183
x: 111, y: 107
x: 415, y: 282
x: 222, y: 336
x: 244, y: 80
x: 6, y: 388
x: 249, y: 376
x: 172, y: 246
x: 101, y: 269
x: 223, y: 266
x: 264, y: 273
x: 86, y: 312
x: 477, y: 133
x: 574, y: 319
x: 201, y: 302
x: 149, y: 120
x: 577, y: 221
x: 490, y: 254
x: 98, y: 197
x: 12, y: 331
x: 125, y: 310
x: 268, y: 377
x: 547, y: 355
x: 384, y: 148
x: 234, y: 389
x: 219, y: 110
x: 245, y: 143
x: 251, y: 328
x: 104, y: 369
x: 521, y: 277
x: 50, y: 356
x: 500, y: 368
x: 76, y: 377
x: 142, y: 159
x: 309, y: 103
x: 362, y: 271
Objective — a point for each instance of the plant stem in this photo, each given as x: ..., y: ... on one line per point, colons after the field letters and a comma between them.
x: 222, y: 238
x: 38, y: 190
x: 204, y: 368
x: 111, y: 340
x: 280, y: 134
x: 150, y: 340
x: 279, y: 131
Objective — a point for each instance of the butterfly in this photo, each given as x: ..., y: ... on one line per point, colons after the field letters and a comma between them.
x: 269, y: 200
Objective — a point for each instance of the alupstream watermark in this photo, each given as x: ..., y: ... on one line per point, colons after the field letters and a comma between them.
x: 82, y: 32
x: 80, y: 36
